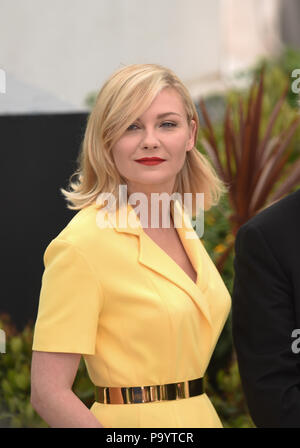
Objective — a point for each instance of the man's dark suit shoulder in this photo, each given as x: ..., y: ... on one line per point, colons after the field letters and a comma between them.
x: 279, y: 226
x: 283, y: 214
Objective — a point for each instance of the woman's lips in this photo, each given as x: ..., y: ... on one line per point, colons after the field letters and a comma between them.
x: 150, y: 162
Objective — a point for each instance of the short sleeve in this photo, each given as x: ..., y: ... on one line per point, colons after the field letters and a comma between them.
x: 70, y: 302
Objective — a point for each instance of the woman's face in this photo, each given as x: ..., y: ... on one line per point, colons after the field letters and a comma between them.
x: 161, y: 131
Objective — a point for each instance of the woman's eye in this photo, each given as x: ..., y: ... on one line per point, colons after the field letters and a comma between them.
x: 168, y: 124
x: 132, y: 127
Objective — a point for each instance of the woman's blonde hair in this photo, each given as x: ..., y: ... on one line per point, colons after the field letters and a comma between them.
x: 122, y: 99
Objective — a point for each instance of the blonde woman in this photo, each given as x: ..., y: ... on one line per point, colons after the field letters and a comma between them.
x: 143, y: 304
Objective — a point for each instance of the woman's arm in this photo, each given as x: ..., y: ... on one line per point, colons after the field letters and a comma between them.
x: 52, y: 377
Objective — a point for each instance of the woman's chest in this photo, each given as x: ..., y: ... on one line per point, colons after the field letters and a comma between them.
x: 170, y: 243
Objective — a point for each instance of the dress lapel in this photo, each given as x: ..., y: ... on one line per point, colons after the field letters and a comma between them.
x: 155, y: 258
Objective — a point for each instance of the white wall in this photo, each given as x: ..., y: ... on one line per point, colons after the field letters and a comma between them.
x: 250, y: 30
x: 58, y: 51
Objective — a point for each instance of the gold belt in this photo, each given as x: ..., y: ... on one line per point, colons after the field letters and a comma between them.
x: 146, y: 394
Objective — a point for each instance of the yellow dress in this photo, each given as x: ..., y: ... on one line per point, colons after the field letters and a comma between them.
x: 114, y: 296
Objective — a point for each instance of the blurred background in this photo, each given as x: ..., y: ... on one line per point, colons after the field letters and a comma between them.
x: 239, y: 60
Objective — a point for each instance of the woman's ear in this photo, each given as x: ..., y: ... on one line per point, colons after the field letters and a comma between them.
x: 192, y: 130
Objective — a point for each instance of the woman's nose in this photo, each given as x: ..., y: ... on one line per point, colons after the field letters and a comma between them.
x: 150, y: 139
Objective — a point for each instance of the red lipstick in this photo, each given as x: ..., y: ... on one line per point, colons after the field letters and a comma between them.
x: 150, y: 160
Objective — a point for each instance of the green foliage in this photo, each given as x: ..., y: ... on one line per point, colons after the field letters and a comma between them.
x: 83, y: 387
x: 280, y: 72
x: 216, y: 238
x: 15, y: 408
x: 229, y: 402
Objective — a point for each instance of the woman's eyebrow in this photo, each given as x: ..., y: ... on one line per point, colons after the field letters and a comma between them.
x: 167, y: 113
x: 164, y: 115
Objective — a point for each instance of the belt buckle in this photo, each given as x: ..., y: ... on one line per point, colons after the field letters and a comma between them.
x: 136, y: 395
x: 154, y: 393
x: 181, y: 390
x: 144, y: 394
